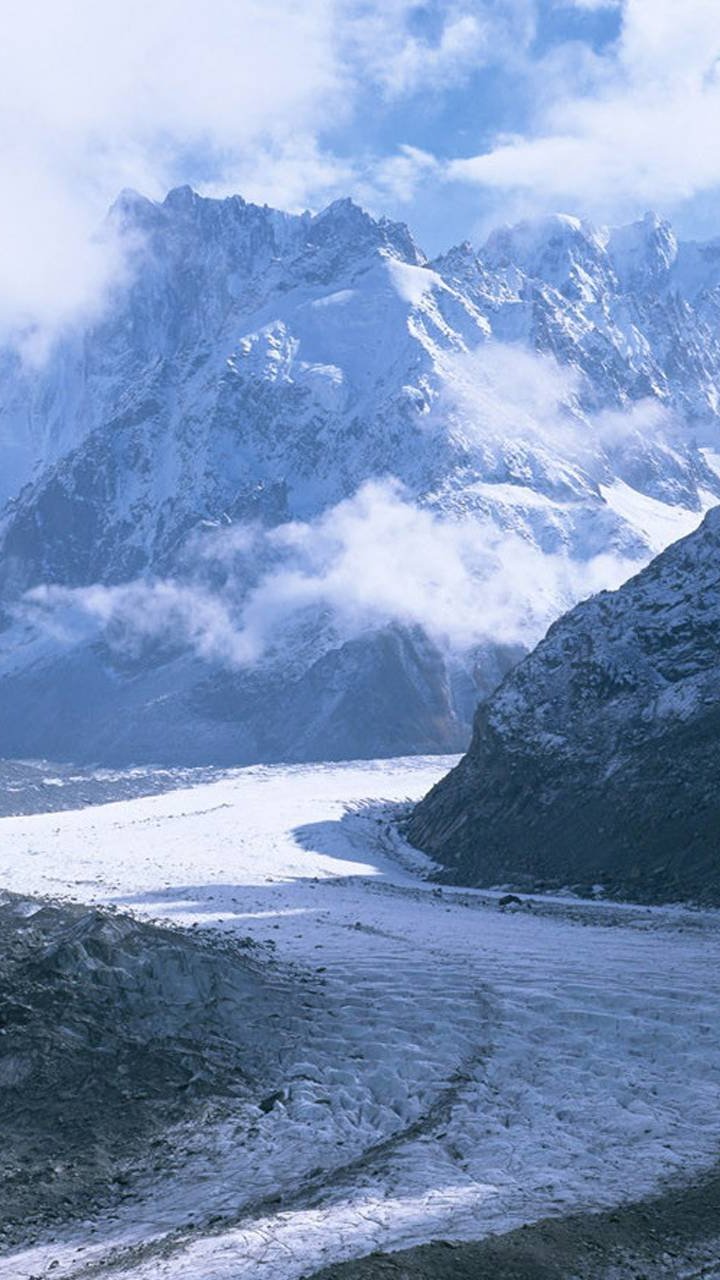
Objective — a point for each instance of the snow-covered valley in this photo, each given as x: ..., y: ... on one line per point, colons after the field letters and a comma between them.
x: 446, y: 1068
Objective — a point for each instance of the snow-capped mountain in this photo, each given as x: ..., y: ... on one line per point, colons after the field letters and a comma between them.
x: 596, y: 761
x: 300, y: 492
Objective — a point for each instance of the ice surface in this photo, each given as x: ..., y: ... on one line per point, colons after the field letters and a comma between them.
x: 460, y: 1069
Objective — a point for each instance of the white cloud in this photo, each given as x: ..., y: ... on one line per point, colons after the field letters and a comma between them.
x: 401, y: 62
x: 400, y: 175
x: 374, y: 559
x: 287, y: 173
x: 164, y: 612
x: 523, y: 417
x: 645, y: 419
x: 228, y: 95
x: 94, y: 97
x: 508, y: 391
x: 643, y: 130
x: 240, y: 95
x: 379, y: 557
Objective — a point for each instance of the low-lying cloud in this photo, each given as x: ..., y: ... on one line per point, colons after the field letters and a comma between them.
x: 375, y: 559
x: 508, y: 390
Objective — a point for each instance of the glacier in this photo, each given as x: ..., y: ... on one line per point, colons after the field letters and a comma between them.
x: 447, y: 1069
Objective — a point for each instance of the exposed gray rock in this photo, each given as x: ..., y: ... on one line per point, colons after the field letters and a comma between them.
x: 386, y: 695
x: 597, y: 761
x: 113, y: 1035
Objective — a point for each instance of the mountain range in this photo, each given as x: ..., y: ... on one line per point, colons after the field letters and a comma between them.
x: 298, y: 492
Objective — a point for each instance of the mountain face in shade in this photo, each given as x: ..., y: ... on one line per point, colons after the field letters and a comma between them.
x: 548, y: 404
x: 597, y: 760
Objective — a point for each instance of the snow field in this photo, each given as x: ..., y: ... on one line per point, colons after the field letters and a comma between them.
x: 454, y: 1069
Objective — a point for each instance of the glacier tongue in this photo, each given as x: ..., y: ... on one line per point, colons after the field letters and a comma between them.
x: 547, y: 404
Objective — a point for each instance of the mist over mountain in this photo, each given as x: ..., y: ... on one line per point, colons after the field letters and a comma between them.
x: 300, y: 493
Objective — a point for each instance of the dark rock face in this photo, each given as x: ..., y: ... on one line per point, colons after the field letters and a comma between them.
x: 597, y: 761
x: 113, y: 1034
x: 341, y: 707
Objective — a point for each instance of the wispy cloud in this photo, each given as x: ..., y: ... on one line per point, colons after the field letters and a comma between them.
x: 507, y: 390
x: 374, y: 559
x: 505, y: 393
x: 471, y: 571
x: 641, y: 130
x: 95, y: 98
x: 229, y: 96
x: 434, y: 54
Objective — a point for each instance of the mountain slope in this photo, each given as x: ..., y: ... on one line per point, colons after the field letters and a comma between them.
x: 597, y: 760
x: 547, y: 404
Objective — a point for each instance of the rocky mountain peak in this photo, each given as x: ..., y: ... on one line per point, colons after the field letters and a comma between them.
x: 258, y: 368
x: 643, y: 253
x: 551, y: 248
x: 345, y: 223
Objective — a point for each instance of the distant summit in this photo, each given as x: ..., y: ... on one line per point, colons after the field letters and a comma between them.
x: 550, y: 399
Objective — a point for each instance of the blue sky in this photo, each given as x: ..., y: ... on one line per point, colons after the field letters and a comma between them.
x: 466, y: 113
x: 453, y: 115
x: 475, y: 104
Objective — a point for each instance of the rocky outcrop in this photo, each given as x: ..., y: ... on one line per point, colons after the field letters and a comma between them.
x: 597, y: 761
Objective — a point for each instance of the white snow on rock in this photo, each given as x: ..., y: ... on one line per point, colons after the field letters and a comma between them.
x: 259, y: 370
x: 462, y: 1069
x: 659, y: 522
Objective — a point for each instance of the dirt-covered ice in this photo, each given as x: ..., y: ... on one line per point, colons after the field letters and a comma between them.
x: 117, y: 1037
x: 450, y: 1069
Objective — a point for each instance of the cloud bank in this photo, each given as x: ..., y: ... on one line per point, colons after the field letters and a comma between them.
x: 95, y: 97
x: 504, y: 394
x: 375, y: 559
x: 247, y: 594
x: 450, y: 111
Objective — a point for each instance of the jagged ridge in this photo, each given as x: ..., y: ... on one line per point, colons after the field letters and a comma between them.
x: 260, y: 367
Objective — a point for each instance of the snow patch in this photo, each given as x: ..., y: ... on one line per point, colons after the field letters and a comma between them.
x: 411, y: 283
x: 659, y: 523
